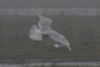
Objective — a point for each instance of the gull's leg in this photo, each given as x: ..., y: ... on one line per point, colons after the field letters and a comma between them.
x: 56, y: 44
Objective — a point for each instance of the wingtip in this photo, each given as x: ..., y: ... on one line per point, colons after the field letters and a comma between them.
x: 69, y: 48
x: 39, y: 15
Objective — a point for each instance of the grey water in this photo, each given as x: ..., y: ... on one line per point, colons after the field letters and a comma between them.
x: 52, y: 11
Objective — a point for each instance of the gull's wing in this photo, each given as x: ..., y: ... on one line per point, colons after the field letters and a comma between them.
x: 35, y: 33
x: 44, y: 21
x: 57, y: 37
x: 44, y: 24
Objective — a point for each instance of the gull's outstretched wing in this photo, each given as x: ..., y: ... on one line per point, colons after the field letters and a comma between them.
x: 35, y: 33
x: 44, y: 21
x: 44, y: 24
x: 57, y: 37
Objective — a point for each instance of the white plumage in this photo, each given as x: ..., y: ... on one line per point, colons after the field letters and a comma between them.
x: 35, y: 33
x: 44, y: 28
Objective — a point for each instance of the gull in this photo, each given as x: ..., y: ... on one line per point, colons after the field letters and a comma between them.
x: 44, y: 28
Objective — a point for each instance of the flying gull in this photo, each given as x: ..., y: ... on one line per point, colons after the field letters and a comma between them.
x: 44, y: 28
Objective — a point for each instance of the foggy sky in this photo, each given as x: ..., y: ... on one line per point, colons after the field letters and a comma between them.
x: 48, y: 3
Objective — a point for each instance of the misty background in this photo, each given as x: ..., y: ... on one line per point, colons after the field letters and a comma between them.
x: 48, y: 3
x: 82, y: 29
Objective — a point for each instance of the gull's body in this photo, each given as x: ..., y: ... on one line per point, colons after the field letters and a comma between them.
x: 44, y: 28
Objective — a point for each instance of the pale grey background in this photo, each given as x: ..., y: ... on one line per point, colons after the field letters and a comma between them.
x: 48, y: 3
x: 83, y: 32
